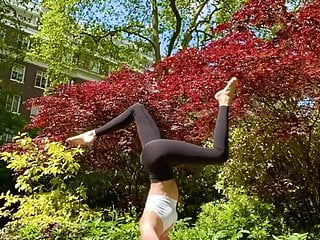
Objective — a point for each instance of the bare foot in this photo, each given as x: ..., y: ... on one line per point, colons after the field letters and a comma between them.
x: 225, y: 95
x: 84, y: 139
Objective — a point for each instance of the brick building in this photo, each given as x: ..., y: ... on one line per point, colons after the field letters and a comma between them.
x: 27, y: 78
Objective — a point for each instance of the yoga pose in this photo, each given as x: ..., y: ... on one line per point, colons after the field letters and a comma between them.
x: 159, y: 155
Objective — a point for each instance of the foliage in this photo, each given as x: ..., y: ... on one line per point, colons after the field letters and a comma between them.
x: 124, y: 189
x: 227, y: 9
x: 111, y: 34
x: 6, y: 181
x: 238, y: 217
x: 279, y: 86
x: 241, y: 217
x: 10, y: 123
x: 179, y: 90
x: 118, y: 228
x: 51, y: 204
x: 11, y: 31
x: 65, y: 44
x: 196, y: 187
x: 42, y: 173
x: 280, y: 168
x: 33, y: 163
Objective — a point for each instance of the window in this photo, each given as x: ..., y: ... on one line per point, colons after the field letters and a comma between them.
x: 6, y: 137
x: 41, y: 81
x: 9, y: 138
x: 34, y: 21
x: 24, y: 42
x: 34, y: 111
x: 24, y: 18
x: 17, y: 73
x: 13, y: 103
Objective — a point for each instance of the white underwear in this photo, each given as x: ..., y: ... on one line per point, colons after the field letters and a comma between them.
x: 164, y: 207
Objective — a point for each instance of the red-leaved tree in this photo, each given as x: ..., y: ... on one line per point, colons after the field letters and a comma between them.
x: 179, y: 90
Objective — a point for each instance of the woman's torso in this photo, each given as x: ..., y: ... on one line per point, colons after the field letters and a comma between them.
x: 168, y: 188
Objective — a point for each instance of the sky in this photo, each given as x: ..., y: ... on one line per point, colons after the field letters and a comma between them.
x: 112, y: 13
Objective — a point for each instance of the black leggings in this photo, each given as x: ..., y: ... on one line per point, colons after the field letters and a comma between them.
x: 158, y: 155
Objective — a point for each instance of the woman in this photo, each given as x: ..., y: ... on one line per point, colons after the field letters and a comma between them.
x: 158, y: 155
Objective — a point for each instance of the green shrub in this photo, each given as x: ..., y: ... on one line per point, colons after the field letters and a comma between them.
x: 241, y: 217
x: 120, y: 228
x: 52, y: 205
x: 42, y: 173
x: 294, y: 236
x: 196, y: 187
x: 279, y: 165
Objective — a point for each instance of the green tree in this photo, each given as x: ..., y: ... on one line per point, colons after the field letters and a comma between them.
x: 77, y: 33
x: 13, y: 40
x: 227, y: 9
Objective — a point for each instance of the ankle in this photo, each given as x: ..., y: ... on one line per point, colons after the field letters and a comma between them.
x: 224, y: 100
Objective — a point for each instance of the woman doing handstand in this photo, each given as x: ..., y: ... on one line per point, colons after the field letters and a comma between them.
x: 159, y: 155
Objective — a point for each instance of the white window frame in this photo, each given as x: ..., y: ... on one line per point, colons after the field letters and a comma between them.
x: 34, y: 111
x: 43, y: 77
x: 6, y: 137
x: 2, y: 137
x: 23, y: 73
x: 10, y: 104
x: 24, y: 41
x: 25, y: 18
x: 34, y: 21
x: 9, y: 138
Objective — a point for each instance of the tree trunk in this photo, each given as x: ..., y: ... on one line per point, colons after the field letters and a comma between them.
x: 155, y: 30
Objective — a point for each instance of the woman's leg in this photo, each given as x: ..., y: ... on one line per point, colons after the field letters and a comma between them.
x: 158, y: 155
x: 146, y: 127
x: 150, y: 226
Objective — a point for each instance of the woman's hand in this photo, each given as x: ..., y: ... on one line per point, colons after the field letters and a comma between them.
x: 83, y: 139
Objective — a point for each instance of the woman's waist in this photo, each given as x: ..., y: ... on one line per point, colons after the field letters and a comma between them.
x: 166, y: 188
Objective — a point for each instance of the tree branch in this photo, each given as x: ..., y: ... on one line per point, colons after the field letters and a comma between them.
x: 178, y: 26
x: 141, y: 36
x: 207, y: 19
x: 98, y: 38
x: 155, y: 30
x: 205, y: 34
x: 112, y: 33
x: 193, y: 23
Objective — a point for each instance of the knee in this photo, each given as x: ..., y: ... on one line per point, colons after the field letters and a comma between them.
x: 223, y: 155
x: 138, y: 105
